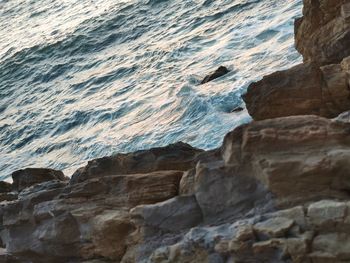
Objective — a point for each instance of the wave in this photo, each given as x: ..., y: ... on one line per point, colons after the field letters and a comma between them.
x: 102, y: 77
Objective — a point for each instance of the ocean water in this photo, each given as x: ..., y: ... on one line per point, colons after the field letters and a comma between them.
x: 81, y: 79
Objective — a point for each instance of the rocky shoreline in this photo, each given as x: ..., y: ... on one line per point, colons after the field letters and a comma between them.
x: 277, y: 190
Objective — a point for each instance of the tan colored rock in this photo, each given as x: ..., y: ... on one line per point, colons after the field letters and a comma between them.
x: 10, y: 196
x: 179, y: 156
x: 298, y: 159
x: 296, y: 91
x: 295, y: 213
x: 304, y: 89
x: 173, y: 215
x: 323, y: 34
x: 175, y: 254
x: 110, y: 231
x: 274, y: 227
x: 187, y: 182
x: 5, y: 187
x: 129, y: 190
x: 267, y: 247
x: 326, y: 213
x: 243, y: 240
x: 31, y: 176
x: 333, y: 246
x: 224, y: 192
x: 297, y: 249
x: 57, y: 221
x: 336, y: 92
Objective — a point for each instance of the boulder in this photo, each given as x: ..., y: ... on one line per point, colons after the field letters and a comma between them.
x: 225, y: 193
x: 179, y: 156
x: 173, y: 215
x: 322, y: 35
x: 326, y: 214
x: 274, y: 227
x: 6, y: 193
x: 128, y: 190
x: 110, y: 231
x: 221, y: 71
x: 31, y: 176
x: 296, y: 91
x: 305, y: 89
x: 10, y: 196
x: 309, y: 153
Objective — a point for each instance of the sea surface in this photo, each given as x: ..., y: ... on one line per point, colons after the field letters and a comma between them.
x: 81, y: 79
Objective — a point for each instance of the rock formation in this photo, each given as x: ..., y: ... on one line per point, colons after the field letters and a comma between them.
x: 321, y: 84
x: 221, y: 71
x: 277, y: 190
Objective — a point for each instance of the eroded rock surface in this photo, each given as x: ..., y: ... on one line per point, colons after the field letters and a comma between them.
x: 302, y: 90
x: 297, y: 158
x: 179, y: 156
x: 30, y: 176
x: 321, y: 84
x: 322, y: 35
x: 277, y: 237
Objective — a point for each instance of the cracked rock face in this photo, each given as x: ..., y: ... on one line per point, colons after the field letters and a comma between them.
x: 319, y: 86
x: 302, y: 90
x: 297, y: 158
x: 284, y: 236
x: 323, y: 34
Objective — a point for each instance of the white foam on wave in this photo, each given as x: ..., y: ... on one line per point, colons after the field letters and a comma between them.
x: 83, y: 79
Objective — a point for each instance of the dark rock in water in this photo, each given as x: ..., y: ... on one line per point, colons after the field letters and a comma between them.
x: 238, y: 109
x: 217, y: 74
x: 31, y: 176
x: 5, y: 187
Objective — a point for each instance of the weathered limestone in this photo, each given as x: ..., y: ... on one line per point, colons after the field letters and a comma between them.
x: 110, y: 231
x: 87, y: 220
x: 277, y: 239
x: 320, y: 85
x: 176, y: 214
x: 179, y: 156
x: 327, y: 213
x: 323, y: 34
x: 297, y: 158
x: 296, y: 91
x: 30, y: 176
x: 302, y: 90
x: 224, y: 192
x: 334, y: 247
x: 274, y: 227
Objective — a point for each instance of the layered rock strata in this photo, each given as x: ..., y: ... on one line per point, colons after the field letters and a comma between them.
x: 277, y: 190
x: 320, y: 85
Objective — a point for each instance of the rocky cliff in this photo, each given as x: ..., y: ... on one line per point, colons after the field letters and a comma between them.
x: 277, y: 190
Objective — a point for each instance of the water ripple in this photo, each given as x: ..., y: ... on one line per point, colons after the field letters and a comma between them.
x: 83, y: 79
